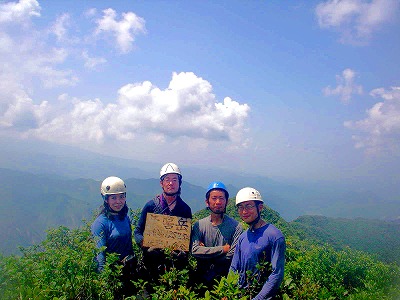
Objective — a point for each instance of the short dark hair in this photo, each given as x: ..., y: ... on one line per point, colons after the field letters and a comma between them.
x: 209, y: 192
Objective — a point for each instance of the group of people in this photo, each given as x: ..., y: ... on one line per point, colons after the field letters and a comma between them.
x: 218, y: 242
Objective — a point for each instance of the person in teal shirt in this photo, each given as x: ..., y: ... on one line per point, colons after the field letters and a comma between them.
x: 112, y: 230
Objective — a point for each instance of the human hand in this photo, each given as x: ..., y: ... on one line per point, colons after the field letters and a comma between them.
x: 226, y: 248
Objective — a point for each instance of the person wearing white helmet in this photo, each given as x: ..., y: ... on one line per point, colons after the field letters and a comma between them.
x: 214, y: 237
x: 261, y: 243
x: 112, y: 228
x: 170, y: 203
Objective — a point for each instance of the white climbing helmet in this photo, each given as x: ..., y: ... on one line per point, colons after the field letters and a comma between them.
x: 248, y: 194
x: 112, y: 185
x: 170, y: 168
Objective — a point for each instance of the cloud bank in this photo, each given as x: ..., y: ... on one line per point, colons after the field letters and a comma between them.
x: 356, y: 20
x: 380, y: 130
x: 186, y: 109
x: 345, y: 87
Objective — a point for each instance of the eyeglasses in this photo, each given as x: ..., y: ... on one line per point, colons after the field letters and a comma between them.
x: 246, y: 207
x: 168, y: 180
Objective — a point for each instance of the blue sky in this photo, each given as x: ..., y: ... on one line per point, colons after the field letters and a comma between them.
x: 288, y: 89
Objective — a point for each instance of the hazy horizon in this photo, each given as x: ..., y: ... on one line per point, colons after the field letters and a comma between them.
x: 306, y: 92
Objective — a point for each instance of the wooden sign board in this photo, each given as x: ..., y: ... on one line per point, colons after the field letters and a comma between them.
x: 164, y: 231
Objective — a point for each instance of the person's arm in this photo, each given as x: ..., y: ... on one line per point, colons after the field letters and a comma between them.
x: 199, y: 250
x: 98, y: 232
x: 274, y: 280
x: 235, y: 239
x: 139, y: 229
x: 235, y: 260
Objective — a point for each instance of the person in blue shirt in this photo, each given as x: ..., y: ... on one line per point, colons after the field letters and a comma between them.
x: 260, y: 243
x: 112, y: 228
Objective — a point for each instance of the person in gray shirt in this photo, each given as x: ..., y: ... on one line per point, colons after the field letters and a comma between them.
x: 214, y: 237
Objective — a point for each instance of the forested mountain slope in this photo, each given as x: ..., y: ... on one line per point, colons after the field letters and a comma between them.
x: 32, y: 203
x: 62, y: 266
x: 376, y: 237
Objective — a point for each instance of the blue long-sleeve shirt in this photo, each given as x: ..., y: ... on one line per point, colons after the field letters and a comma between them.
x: 115, y: 234
x: 265, y: 243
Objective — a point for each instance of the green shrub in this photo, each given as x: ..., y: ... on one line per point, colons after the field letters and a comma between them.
x: 62, y: 267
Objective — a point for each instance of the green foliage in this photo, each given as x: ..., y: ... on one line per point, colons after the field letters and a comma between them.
x: 226, y: 288
x: 320, y: 272
x: 375, y: 237
x: 62, y: 267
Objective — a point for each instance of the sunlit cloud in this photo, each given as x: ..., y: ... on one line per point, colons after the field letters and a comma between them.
x: 186, y: 109
x: 26, y: 55
x: 61, y: 28
x: 380, y: 130
x: 21, y: 11
x: 92, y: 62
x: 356, y: 20
x: 124, y: 30
x: 345, y: 86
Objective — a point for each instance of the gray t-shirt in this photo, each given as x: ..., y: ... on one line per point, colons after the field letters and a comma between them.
x: 214, y: 238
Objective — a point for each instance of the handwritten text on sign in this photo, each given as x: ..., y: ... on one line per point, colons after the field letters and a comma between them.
x: 163, y: 231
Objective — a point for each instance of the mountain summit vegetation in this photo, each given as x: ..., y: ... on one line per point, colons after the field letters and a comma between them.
x: 47, y: 250
x: 62, y: 267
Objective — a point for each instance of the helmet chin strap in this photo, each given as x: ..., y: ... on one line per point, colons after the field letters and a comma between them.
x: 120, y: 213
x: 253, y: 223
x: 171, y: 194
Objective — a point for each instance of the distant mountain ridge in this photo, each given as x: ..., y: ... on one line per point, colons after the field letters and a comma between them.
x: 48, y: 185
x: 375, y: 237
x: 291, y: 198
x: 32, y: 203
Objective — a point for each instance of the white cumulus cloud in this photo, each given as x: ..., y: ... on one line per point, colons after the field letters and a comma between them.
x: 21, y: 11
x: 380, y: 130
x: 124, y: 30
x: 356, y: 20
x: 186, y: 109
x: 345, y: 86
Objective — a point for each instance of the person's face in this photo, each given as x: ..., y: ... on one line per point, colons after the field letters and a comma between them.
x: 248, y: 211
x: 170, y: 184
x: 217, y: 201
x: 116, y: 201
